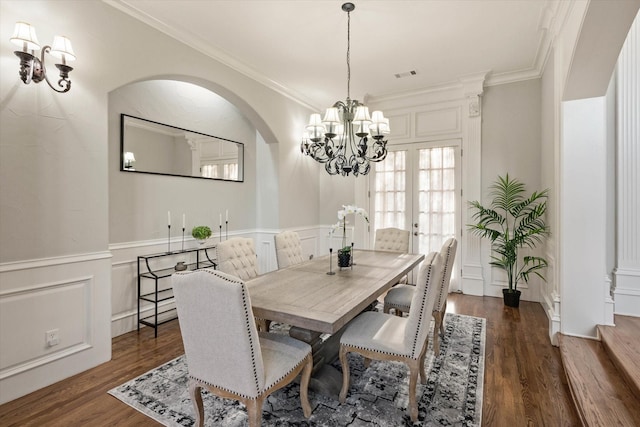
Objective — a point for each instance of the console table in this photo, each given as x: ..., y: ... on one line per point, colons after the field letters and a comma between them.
x: 157, y: 267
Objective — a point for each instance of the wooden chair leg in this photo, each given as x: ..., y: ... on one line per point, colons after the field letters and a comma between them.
x: 442, y: 313
x: 304, y: 386
x: 345, y: 374
x: 367, y: 362
x: 436, y: 335
x: 399, y: 313
x: 196, y: 398
x: 413, y: 381
x: 386, y: 309
x: 254, y: 411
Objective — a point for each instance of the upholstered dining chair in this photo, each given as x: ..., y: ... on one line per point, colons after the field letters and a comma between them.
x: 237, y: 256
x: 399, y: 298
x: 225, y: 353
x: 288, y: 249
x: 382, y: 336
x: 393, y: 240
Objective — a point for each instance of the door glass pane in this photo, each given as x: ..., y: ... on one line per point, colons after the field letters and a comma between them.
x: 436, y: 197
x: 389, y: 192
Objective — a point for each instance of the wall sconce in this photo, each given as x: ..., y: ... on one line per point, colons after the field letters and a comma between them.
x: 33, y: 68
x: 129, y: 158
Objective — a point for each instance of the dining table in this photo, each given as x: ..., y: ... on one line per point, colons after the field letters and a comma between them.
x: 318, y: 299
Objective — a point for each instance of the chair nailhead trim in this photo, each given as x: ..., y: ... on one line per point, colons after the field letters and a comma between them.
x: 421, y: 313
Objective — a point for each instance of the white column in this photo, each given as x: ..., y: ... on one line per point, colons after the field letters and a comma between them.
x: 472, y: 279
x: 627, y: 272
x: 192, y: 140
x: 582, y: 201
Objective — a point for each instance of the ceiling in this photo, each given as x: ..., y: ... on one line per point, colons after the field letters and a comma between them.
x: 298, y: 47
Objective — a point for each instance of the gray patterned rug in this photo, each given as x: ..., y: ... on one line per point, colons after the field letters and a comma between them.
x: 377, y: 397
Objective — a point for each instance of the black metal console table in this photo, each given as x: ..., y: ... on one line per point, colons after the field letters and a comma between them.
x: 155, y: 267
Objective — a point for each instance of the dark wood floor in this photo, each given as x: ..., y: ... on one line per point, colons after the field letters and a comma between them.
x: 524, y: 381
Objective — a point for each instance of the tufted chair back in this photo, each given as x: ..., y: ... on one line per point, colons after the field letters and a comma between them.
x: 237, y: 257
x: 219, y: 332
x: 448, y: 253
x: 422, y: 303
x: 288, y: 249
x: 392, y: 239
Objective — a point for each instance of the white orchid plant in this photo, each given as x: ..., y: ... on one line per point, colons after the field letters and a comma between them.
x: 342, y: 222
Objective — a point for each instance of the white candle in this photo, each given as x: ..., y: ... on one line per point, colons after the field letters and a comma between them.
x: 183, y: 221
x: 169, y: 218
x: 221, y: 220
x: 227, y: 215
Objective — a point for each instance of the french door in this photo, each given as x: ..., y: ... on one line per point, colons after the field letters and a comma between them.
x: 417, y: 188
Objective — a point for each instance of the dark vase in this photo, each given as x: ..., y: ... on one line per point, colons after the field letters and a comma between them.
x: 511, y: 299
x: 344, y: 259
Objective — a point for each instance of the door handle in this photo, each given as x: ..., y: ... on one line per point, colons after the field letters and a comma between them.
x: 415, y: 225
x: 415, y: 233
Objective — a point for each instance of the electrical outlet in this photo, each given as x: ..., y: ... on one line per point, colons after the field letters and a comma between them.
x: 52, y: 337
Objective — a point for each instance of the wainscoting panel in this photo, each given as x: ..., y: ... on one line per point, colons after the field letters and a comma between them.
x: 31, y: 310
x: 70, y: 294
x: 438, y: 122
x: 401, y: 125
x: 124, y: 269
x: 627, y: 292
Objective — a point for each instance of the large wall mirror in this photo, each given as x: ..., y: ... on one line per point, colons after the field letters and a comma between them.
x: 151, y: 147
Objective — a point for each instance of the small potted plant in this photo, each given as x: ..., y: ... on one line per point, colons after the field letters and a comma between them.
x: 511, y: 223
x: 201, y: 233
x: 344, y: 254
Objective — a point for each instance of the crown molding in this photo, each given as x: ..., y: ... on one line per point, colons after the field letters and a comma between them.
x: 204, y: 48
x: 551, y: 20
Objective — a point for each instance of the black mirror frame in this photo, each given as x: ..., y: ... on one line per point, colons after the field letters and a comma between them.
x: 123, y: 169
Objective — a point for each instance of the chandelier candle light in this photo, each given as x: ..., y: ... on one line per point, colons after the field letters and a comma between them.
x: 341, y: 139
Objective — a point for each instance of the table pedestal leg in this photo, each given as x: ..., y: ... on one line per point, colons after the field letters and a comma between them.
x: 325, y: 379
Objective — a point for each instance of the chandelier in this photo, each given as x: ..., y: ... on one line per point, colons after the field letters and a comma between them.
x: 341, y: 139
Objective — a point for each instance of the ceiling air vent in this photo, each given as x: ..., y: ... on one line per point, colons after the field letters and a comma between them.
x: 406, y: 74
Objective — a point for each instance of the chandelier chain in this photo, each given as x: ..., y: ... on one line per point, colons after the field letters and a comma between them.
x: 347, y: 140
x: 348, y: 55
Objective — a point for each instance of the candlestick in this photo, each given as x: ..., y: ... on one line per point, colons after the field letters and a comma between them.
x: 169, y: 238
x: 352, y: 254
x: 183, y: 237
x: 226, y: 230
x: 330, y: 272
x: 220, y: 234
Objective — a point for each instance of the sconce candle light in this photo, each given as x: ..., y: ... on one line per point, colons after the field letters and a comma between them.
x: 129, y: 158
x: 32, y: 68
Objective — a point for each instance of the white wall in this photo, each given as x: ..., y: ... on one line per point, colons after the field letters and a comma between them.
x: 594, y: 35
x: 138, y: 203
x: 583, y: 216
x: 54, y: 178
x: 511, y: 143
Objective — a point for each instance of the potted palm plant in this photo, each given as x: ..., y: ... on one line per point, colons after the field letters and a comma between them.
x: 512, y: 222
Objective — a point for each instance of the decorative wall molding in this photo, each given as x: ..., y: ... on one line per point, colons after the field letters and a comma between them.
x: 437, y: 121
x: 53, y: 261
x: 124, y: 267
x: 627, y: 271
x: 43, y: 361
x: 44, y: 297
x: 69, y: 293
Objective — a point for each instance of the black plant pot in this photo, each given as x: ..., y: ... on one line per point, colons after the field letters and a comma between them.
x: 511, y: 299
x: 344, y: 259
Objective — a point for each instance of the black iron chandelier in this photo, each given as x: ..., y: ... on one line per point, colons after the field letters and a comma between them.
x: 341, y: 139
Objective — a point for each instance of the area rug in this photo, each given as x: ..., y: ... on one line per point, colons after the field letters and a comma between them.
x: 378, y: 396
